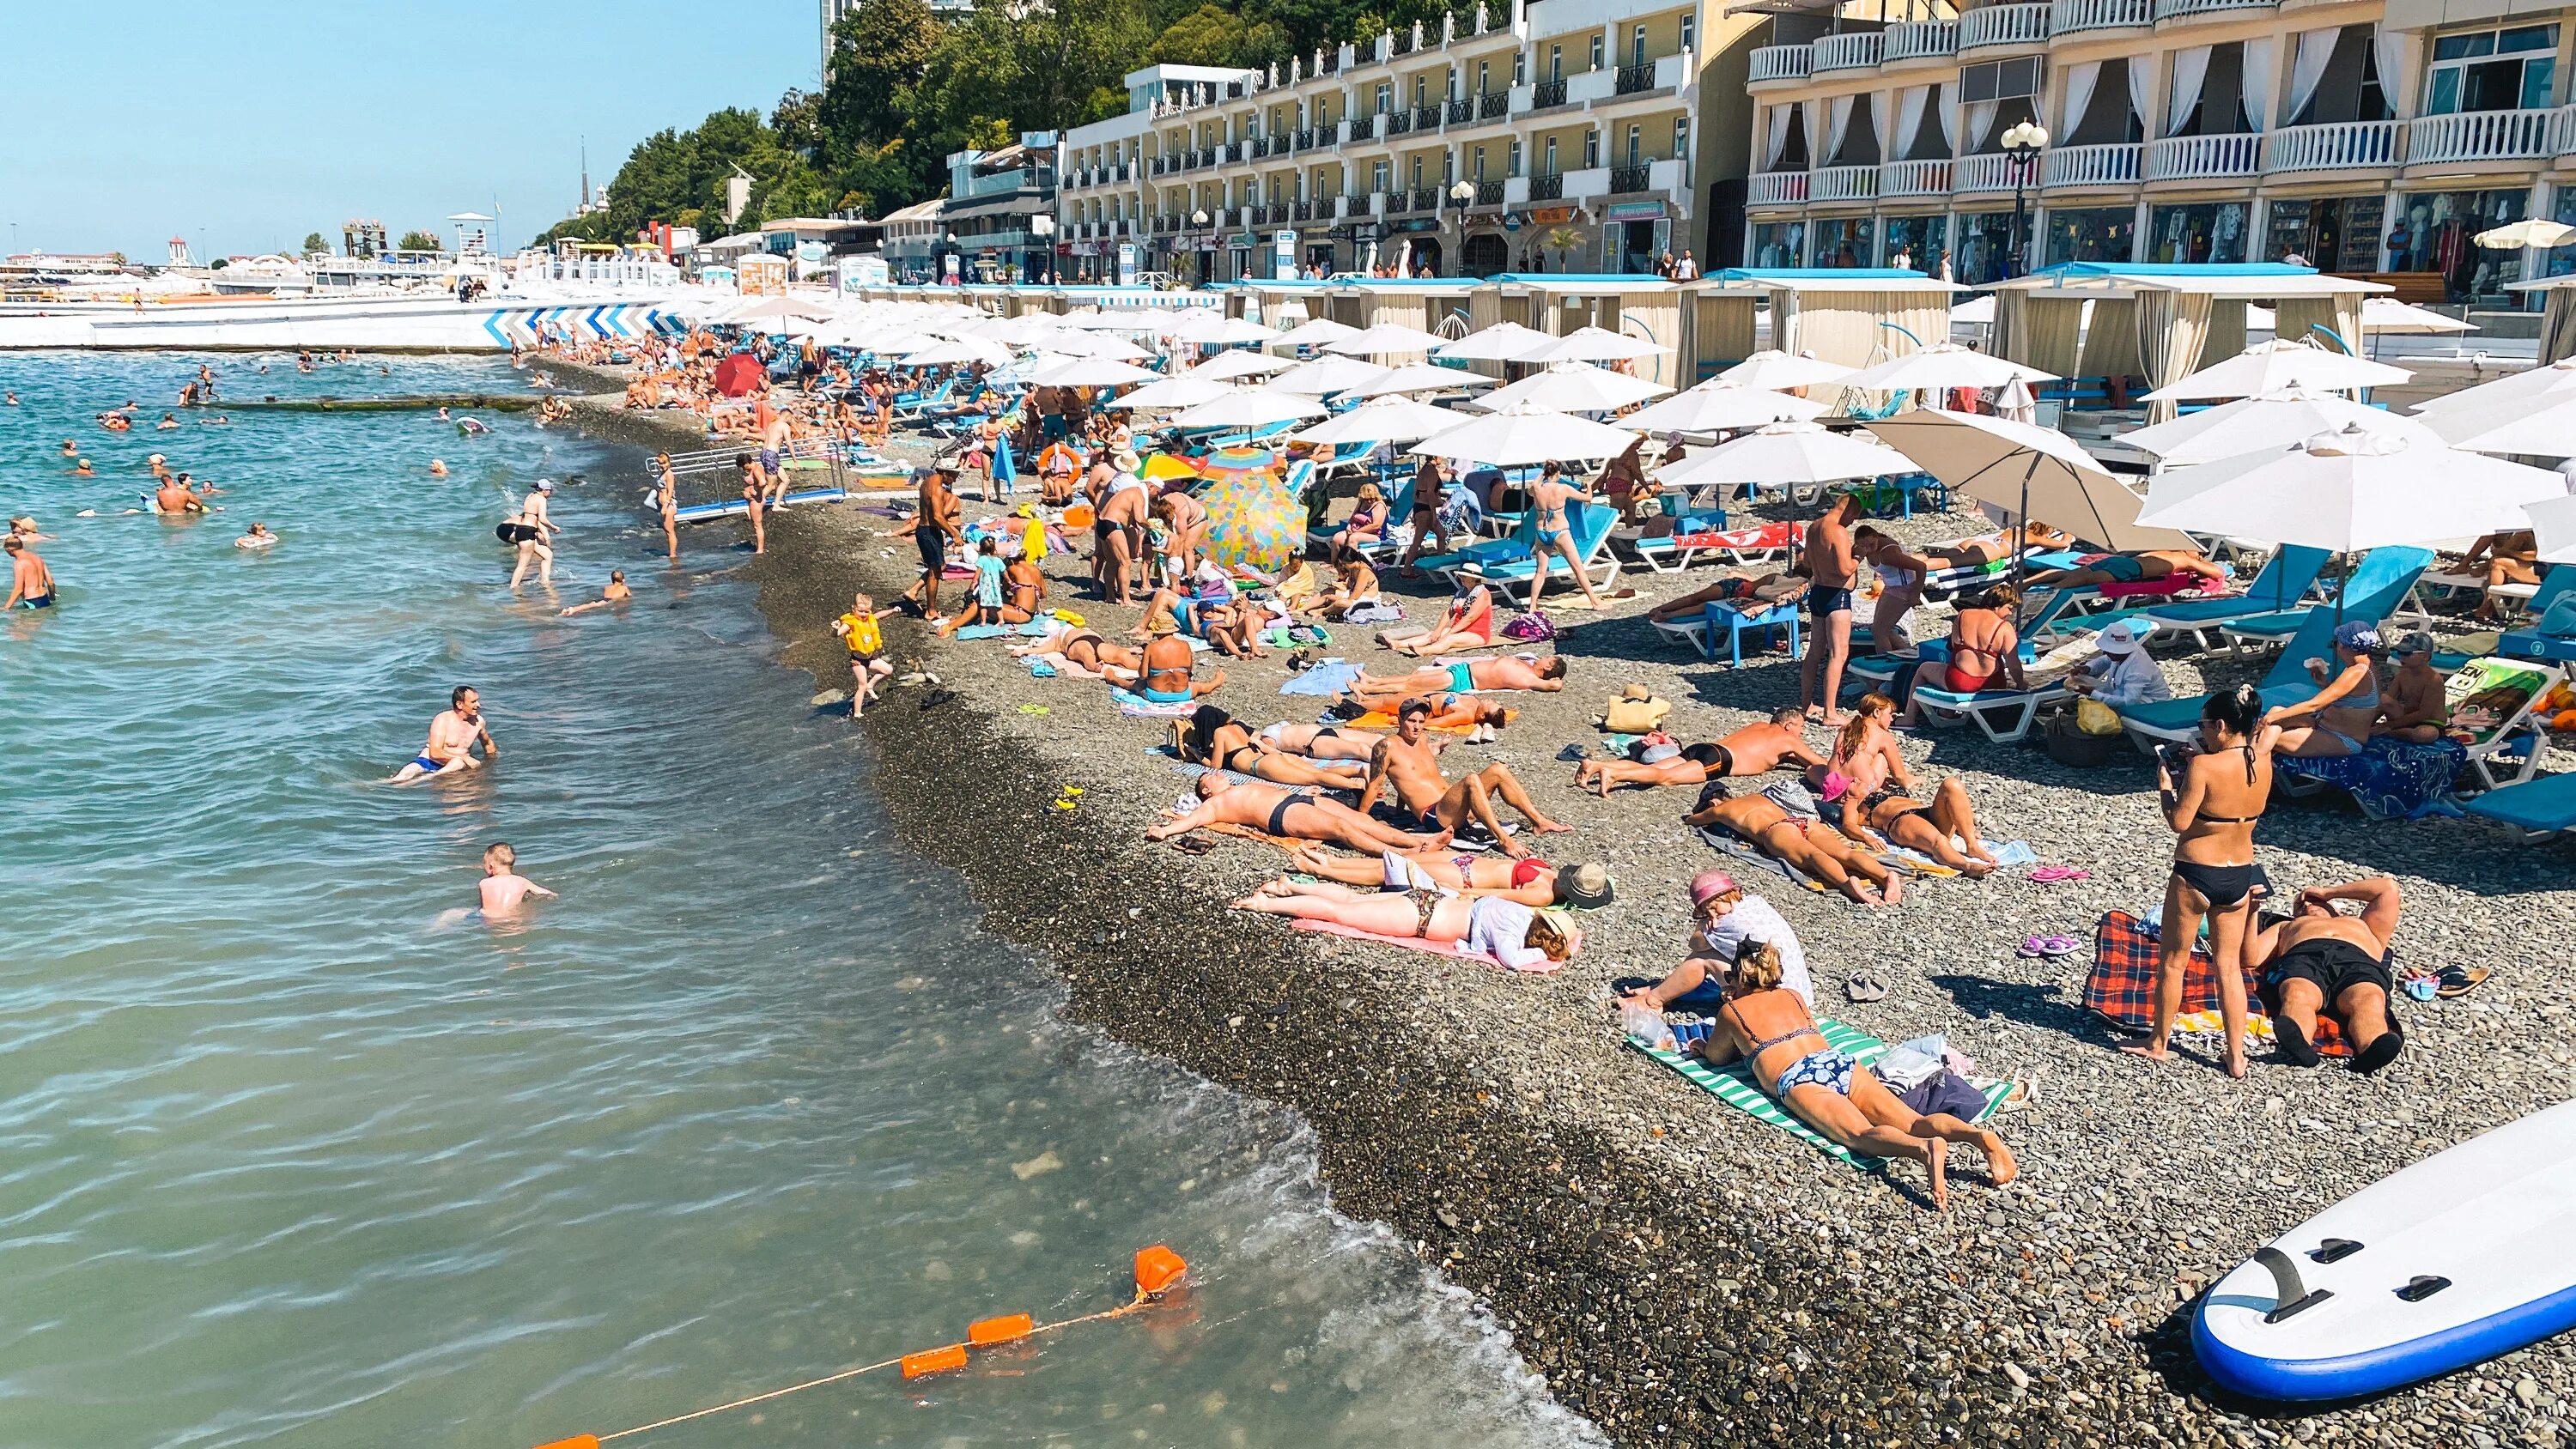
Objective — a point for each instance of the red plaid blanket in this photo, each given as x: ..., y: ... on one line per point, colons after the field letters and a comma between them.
x: 2122, y: 988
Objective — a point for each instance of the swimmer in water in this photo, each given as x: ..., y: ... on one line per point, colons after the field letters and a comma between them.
x: 615, y: 593
x: 13, y: 399
x: 175, y: 500
x: 31, y: 584
x: 442, y: 413
x: 70, y: 449
x: 438, y: 467
x: 452, y: 737
x: 23, y: 528
x: 503, y: 887
x: 258, y: 536
x: 82, y: 469
x: 168, y: 422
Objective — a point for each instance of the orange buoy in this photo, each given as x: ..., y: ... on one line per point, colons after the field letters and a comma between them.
x: 1158, y: 1268
x: 577, y: 1441
x: 984, y: 1333
x: 934, y: 1360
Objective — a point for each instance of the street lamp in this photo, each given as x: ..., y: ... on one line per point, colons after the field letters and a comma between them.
x: 2022, y: 145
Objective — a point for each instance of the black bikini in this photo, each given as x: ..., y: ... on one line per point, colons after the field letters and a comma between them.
x: 2221, y: 885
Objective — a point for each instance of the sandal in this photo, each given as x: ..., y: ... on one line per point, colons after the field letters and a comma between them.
x: 2459, y: 981
x: 1865, y: 987
x: 2049, y: 947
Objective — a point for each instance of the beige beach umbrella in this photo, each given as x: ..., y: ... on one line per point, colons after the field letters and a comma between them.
x: 2522, y: 235
x: 1788, y: 453
x: 1250, y: 407
x: 2348, y: 490
x: 1389, y: 419
x: 2027, y: 471
x: 1091, y: 372
x: 1940, y: 367
x: 2553, y: 526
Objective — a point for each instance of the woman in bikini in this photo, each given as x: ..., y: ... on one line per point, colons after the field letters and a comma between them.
x: 1318, y: 742
x: 1867, y: 777
x: 1366, y: 527
x: 1983, y: 645
x: 1770, y: 1029
x: 1900, y: 586
x: 2341, y: 714
x: 1497, y: 926
x: 1213, y: 737
x: 1553, y: 529
x: 1469, y: 624
x: 2212, y: 809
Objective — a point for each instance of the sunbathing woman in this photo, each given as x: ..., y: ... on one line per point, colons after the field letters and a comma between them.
x: 1531, y: 882
x: 1978, y: 552
x: 1797, y: 842
x: 1872, y: 796
x: 1213, y: 737
x: 1316, y: 742
x: 1469, y: 624
x: 1983, y: 645
x: 1288, y: 814
x: 1366, y: 527
x: 1089, y: 655
x: 1509, y: 671
x: 2339, y: 716
x: 2142, y: 567
x: 1504, y: 929
x: 1760, y: 590
x: 1354, y: 586
x: 2504, y: 558
x: 1770, y: 1029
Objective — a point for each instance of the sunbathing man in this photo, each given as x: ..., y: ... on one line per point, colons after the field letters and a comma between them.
x: 1287, y: 814
x: 2144, y: 566
x: 1762, y: 822
x: 1216, y: 738
x: 1462, y: 676
x: 1754, y: 592
x: 2322, y: 960
x: 1469, y: 624
x: 1426, y: 800
x: 1753, y: 750
x: 1164, y: 672
x: 1529, y: 880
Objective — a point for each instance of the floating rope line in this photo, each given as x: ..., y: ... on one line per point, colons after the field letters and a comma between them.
x: 1157, y: 1269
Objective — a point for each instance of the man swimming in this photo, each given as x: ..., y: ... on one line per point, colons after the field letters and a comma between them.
x: 502, y: 885
x: 1753, y: 750
x: 452, y: 737
x: 175, y: 499
x: 31, y: 584
x: 615, y: 593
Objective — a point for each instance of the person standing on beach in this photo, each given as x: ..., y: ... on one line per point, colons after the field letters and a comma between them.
x: 452, y: 737
x: 864, y: 636
x: 1121, y: 528
x: 773, y: 449
x: 753, y: 482
x: 1830, y: 567
x: 666, y: 499
x: 31, y: 584
x: 932, y: 525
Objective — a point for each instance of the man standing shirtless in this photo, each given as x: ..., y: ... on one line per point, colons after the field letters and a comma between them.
x: 452, y: 737
x: 1753, y: 750
x: 773, y: 451
x: 1425, y: 799
x: 31, y: 584
x: 1831, y: 567
x: 932, y: 525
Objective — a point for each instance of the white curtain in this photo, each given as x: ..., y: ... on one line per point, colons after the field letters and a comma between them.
x: 2389, y: 49
x: 2080, y: 80
x: 2190, y: 68
x: 1878, y: 124
x: 1777, y: 143
x: 2257, y: 83
x: 1837, y: 122
x: 2142, y: 73
x: 1909, y: 119
x: 2307, y: 71
x: 1981, y: 119
x: 1807, y: 128
x: 1949, y: 116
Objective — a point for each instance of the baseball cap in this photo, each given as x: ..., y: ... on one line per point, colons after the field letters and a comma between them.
x: 545, y: 485
x: 1708, y: 885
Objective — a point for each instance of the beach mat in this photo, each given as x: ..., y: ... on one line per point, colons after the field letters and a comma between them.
x: 1033, y: 629
x: 1734, y: 1085
x: 2007, y: 855
x: 1725, y: 844
x: 1139, y: 707
x: 1381, y: 722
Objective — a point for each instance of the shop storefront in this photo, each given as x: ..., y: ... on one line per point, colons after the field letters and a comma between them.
x: 2209, y: 231
x: 1845, y: 241
x: 2090, y: 234
x: 2435, y: 231
x: 1637, y: 233
x: 1779, y: 244
x: 1919, y: 242
x: 2331, y: 233
x: 1985, y: 246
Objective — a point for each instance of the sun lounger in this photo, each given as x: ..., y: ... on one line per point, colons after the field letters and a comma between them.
x: 2537, y: 808
x: 1701, y: 633
x: 1591, y: 523
x: 2371, y: 592
x: 2284, y: 580
x: 1697, y: 538
x: 2152, y: 721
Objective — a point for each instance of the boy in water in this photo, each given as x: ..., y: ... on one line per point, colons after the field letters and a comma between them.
x: 865, y: 639
x: 503, y: 886
x: 615, y: 593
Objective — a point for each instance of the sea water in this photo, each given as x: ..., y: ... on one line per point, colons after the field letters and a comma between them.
x: 296, y: 1148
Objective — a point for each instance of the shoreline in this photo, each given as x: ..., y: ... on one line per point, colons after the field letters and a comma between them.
x: 1676, y: 1273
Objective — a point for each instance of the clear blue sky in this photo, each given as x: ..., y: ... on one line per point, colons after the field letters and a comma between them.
x: 128, y: 123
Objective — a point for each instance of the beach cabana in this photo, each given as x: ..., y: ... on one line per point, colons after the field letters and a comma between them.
x: 2162, y: 321
x: 1557, y: 303
x: 1854, y: 316
x: 1422, y: 302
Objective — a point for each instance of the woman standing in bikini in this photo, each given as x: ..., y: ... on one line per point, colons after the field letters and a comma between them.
x: 1554, y: 531
x: 2212, y: 809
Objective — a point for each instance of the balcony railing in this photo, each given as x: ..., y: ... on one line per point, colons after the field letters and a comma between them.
x: 1493, y: 106
x: 2115, y: 165
x: 1630, y: 178
x: 2183, y: 158
x: 2335, y: 146
x: 1547, y: 188
x: 1914, y: 178
x: 1552, y: 92
x: 2004, y: 25
x: 1399, y: 200
x: 1849, y: 52
x: 1634, y: 78
x: 2481, y: 136
x: 1989, y: 171
x: 2066, y: 17
x: 1489, y: 193
x: 1461, y: 111
x: 1844, y: 183
x: 1426, y: 198
x: 2170, y: 9
x: 1426, y: 117
x: 1920, y: 39
x: 1782, y: 63
x: 1301, y: 211
x: 1395, y: 123
x: 1776, y: 188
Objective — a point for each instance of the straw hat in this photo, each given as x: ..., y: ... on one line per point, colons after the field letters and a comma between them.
x: 1587, y: 885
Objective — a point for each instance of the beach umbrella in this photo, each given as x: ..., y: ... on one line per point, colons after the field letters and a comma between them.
x: 2529, y: 232
x: 1386, y: 339
x: 2542, y: 426
x: 1572, y: 387
x: 1238, y: 364
x: 1315, y: 333
x: 1417, y: 377
x: 1327, y: 375
x: 2268, y: 367
x: 1164, y: 467
x: 1255, y: 519
x: 2387, y: 314
x: 1093, y: 344
x: 2349, y: 490
x: 1186, y: 391
x: 1251, y: 407
x: 962, y: 352
x: 1940, y: 367
x: 2553, y: 526
x: 2275, y: 420
x: 1720, y: 406
x: 1780, y: 454
x: 1772, y: 368
x: 1206, y: 327
x: 1090, y: 372
x: 1523, y: 437
x: 1388, y: 419
x: 2525, y: 387
x: 2029, y: 472
x: 741, y: 375
x: 768, y: 307
x: 1502, y: 342
x: 1592, y: 344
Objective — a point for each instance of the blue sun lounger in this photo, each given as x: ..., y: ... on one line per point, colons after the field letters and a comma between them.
x: 2372, y: 592
x: 2165, y: 720
x: 2538, y: 808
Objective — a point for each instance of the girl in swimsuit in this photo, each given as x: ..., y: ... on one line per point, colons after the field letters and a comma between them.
x: 1554, y: 531
x: 2346, y: 704
x: 1983, y: 644
x: 1874, y: 795
x: 2212, y: 809
x: 1213, y: 737
x: 1770, y: 1028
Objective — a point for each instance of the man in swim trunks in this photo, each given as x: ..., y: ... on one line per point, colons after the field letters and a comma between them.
x: 1321, y: 742
x: 1459, y: 676
x: 773, y: 449
x: 1288, y: 814
x: 31, y: 584
x: 1529, y: 880
x: 452, y: 737
x: 1831, y: 568
x: 2143, y: 566
x: 935, y: 522
x: 175, y: 500
x: 1424, y: 799
x: 1753, y: 750
x: 1163, y: 675
x: 2322, y: 960
x: 1798, y: 841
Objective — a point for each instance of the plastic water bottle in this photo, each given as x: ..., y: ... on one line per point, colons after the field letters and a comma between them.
x: 1645, y: 1025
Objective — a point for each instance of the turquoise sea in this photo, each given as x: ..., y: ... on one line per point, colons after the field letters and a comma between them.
x: 296, y: 1149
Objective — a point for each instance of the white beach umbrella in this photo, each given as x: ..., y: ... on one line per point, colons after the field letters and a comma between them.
x: 1592, y: 344
x: 2271, y: 366
x: 1388, y: 419
x: 1208, y: 328
x: 1315, y: 333
x: 1772, y: 368
x: 1240, y: 363
x: 2544, y: 426
x: 1502, y: 342
x: 2275, y: 420
x: 1788, y: 453
x: 1250, y: 407
x: 1097, y: 344
x: 2526, y: 387
x: 1417, y: 377
x: 2030, y: 472
x: 962, y: 352
x: 1189, y: 390
x: 2553, y: 525
x: 1386, y: 339
x: 1327, y: 375
x: 1939, y: 367
x: 2387, y: 314
x: 763, y: 308
x: 2531, y: 231
x: 1091, y: 372
x: 2348, y: 490
x: 1523, y: 436
x: 1572, y: 387
x: 1719, y: 406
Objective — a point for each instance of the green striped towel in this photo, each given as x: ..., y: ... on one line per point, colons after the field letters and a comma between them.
x: 1734, y: 1085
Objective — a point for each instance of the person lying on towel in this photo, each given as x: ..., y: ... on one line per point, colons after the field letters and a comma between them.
x: 1529, y: 880
x: 1513, y: 934
x: 1288, y: 814
x: 1798, y: 841
x: 1461, y: 676
x: 1753, y: 750
x: 2320, y: 959
x: 2140, y: 566
x: 1406, y: 789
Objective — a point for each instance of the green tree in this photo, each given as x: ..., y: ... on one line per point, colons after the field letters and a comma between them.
x: 313, y: 243
x: 419, y: 241
x: 1211, y: 35
x: 880, y: 52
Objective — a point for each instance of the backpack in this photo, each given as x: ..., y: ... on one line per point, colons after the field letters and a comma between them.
x: 1530, y: 628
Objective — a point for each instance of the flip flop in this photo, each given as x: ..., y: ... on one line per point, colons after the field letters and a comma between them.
x: 2460, y: 980
x: 2050, y: 947
x: 1865, y: 987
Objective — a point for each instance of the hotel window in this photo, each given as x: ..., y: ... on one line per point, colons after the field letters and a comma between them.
x: 1512, y: 160
x: 1379, y: 174
x: 1999, y: 79
x: 1484, y: 76
x: 1556, y: 62
x: 1636, y: 144
x: 1480, y: 163
x: 1596, y: 52
x: 1690, y: 30
x: 1417, y: 172
x: 1591, y: 149
x: 2493, y: 70
x: 1637, y: 46
x: 1551, y: 158
x: 1520, y: 67
x: 1681, y: 137
x: 1385, y: 98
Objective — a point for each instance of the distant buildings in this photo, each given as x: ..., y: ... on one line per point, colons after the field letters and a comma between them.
x: 997, y: 222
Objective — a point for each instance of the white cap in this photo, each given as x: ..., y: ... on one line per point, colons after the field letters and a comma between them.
x: 2119, y: 638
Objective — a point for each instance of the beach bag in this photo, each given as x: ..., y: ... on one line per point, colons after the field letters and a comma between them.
x: 1530, y: 628
x: 2094, y: 717
x: 1636, y: 716
x: 2070, y: 744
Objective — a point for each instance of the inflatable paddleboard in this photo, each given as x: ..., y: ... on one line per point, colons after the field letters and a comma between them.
x: 2453, y: 1261
x: 705, y: 512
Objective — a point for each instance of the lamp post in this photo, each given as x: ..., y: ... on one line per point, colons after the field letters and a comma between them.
x: 2022, y: 146
x: 1198, y: 268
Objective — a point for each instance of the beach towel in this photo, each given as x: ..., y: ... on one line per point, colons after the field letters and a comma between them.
x: 1377, y: 613
x: 2389, y: 779
x: 2122, y: 987
x: 1380, y: 721
x: 1447, y: 949
x: 1138, y: 706
x: 2010, y: 853
x: 2171, y: 586
x: 1033, y: 629
x: 1736, y: 1087
x: 1326, y: 677
x: 1762, y: 536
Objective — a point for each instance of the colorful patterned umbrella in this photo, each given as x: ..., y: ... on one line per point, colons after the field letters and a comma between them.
x: 1253, y: 517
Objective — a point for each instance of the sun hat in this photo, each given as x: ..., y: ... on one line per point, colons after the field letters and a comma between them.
x: 1587, y: 885
x: 1160, y: 625
x: 1708, y: 885
x: 2117, y: 639
x: 2357, y: 635
x: 1126, y: 461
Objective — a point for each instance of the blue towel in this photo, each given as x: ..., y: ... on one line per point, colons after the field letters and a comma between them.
x: 2010, y: 853
x: 1327, y: 677
x: 1139, y: 706
x: 2389, y: 780
x: 1040, y: 669
x: 1033, y: 629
